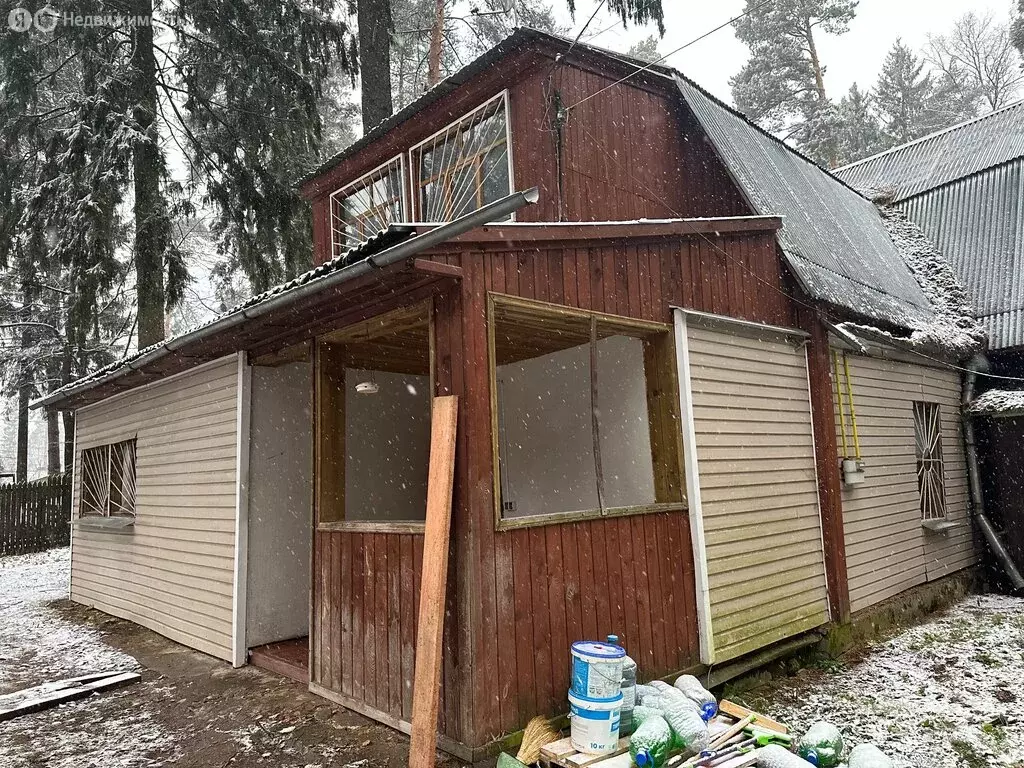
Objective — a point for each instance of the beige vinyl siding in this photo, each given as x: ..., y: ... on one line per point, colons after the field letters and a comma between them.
x: 173, y: 571
x: 758, y: 486
x: 887, y: 549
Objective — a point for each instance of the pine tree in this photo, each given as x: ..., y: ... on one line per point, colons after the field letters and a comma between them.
x: 782, y: 85
x: 911, y: 102
x: 645, y: 50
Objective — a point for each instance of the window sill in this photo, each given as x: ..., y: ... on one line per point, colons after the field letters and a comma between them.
x: 938, y: 526
x: 106, y: 524
x: 369, y: 526
x: 513, y: 523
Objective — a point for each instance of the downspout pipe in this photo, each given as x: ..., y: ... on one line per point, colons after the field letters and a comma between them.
x: 496, y: 211
x: 995, y: 543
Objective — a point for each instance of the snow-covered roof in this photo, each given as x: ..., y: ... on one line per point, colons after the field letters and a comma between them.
x: 999, y: 402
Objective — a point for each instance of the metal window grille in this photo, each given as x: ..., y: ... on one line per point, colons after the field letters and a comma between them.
x: 466, y: 165
x: 931, y: 483
x: 367, y: 206
x: 108, y: 480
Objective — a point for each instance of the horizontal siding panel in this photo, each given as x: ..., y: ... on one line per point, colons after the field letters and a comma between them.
x: 173, y: 572
x: 887, y: 550
x: 759, y: 493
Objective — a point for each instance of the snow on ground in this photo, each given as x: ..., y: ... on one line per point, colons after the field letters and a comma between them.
x: 36, y: 645
x: 946, y: 693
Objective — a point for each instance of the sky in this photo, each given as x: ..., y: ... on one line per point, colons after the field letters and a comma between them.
x: 854, y: 57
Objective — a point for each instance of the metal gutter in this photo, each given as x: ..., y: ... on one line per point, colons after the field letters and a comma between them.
x: 404, y: 250
x: 995, y: 543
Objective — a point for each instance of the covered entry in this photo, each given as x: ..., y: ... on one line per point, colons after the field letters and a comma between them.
x: 752, y: 484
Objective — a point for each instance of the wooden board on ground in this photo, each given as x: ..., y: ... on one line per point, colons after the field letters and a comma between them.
x: 48, y: 695
x: 735, y: 710
x: 434, y: 582
x: 562, y: 753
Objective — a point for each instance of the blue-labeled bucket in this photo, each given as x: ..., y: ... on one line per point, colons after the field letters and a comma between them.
x: 597, y: 670
x: 594, y: 724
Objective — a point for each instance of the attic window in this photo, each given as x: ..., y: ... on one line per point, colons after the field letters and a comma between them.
x: 108, y: 480
x: 367, y: 206
x: 466, y: 165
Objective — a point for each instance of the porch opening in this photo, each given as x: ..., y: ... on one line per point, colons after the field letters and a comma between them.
x: 373, y: 421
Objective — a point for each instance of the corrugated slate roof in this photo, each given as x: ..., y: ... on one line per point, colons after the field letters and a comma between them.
x: 941, y: 157
x: 978, y: 223
x: 833, y: 238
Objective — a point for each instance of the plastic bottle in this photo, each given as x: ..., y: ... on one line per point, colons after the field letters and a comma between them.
x: 868, y: 756
x: 822, y: 745
x: 699, y: 695
x: 774, y: 756
x: 651, y: 742
x: 643, y: 691
x: 641, y: 713
x: 628, y: 691
x: 689, y: 731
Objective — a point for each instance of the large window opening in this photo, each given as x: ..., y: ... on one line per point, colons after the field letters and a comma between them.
x: 586, y: 413
x: 373, y: 415
x: 465, y: 166
x: 108, y: 480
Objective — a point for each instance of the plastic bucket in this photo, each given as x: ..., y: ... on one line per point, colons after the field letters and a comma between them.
x: 594, y: 724
x: 597, y: 670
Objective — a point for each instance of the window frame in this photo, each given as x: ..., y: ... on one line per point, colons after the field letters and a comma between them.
x: 931, y: 414
x: 416, y: 150
x: 629, y: 326
x: 107, y: 514
x: 319, y: 421
x: 362, y: 181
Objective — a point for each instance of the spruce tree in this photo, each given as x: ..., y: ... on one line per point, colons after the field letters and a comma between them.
x: 860, y: 133
x: 912, y: 102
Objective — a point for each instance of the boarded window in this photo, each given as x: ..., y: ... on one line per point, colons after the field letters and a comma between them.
x: 108, y: 480
x: 930, y: 469
x: 586, y: 410
x: 465, y: 166
x: 367, y: 206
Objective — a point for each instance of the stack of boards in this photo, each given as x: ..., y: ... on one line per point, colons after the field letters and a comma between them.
x: 561, y: 754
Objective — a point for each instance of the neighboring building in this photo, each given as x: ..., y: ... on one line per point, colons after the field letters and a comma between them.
x: 964, y: 187
x: 647, y: 361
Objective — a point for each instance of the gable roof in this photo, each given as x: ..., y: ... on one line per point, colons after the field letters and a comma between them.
x: 941, y: 157
x: 833, y: 238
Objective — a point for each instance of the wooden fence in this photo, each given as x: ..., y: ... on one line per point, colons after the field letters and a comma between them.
x: 35, y: 515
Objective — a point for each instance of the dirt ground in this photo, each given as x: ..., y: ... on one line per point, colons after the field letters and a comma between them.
x: 190, y: 710
x: 946, y: 693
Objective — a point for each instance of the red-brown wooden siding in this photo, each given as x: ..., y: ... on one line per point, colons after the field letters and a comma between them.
x: 517, y: 599
x: 628, y: 153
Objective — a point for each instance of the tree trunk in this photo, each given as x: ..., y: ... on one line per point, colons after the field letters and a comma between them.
x: 150, y: 241
x: 24, y: 394
x: 436, y: 42
x: 819, y: 75
x: 52, y: 442
x: 375, y: 29
x: 69, y: 440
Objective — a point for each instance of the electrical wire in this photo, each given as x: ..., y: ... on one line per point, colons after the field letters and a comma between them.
x: 646, y: 67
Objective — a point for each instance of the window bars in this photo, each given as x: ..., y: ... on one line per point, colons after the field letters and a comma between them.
x: 466, y: 165
x: 930, y: 468
x: 108, y: 480
x: 367, y: 206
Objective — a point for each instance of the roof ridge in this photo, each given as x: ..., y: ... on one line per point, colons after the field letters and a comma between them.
x: 930, y: 136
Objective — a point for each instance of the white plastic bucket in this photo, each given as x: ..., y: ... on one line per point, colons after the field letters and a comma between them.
x: 597, y: 670
x: 594, y: 724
